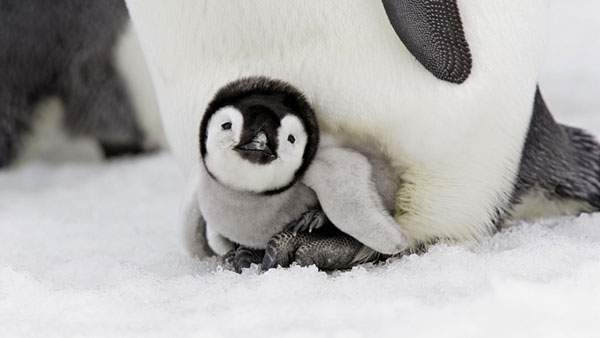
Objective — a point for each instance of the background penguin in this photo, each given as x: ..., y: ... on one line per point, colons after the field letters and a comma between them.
x: 446, y: 89
x: 262, y: 172
x: 68, y: 49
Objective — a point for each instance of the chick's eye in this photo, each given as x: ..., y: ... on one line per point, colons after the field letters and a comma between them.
x: 226, y: 126
x: 291, y: 139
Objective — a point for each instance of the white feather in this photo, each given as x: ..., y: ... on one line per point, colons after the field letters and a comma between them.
x: 536, y: 204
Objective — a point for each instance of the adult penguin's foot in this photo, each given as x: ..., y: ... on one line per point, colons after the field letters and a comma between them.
x: 327, y: 249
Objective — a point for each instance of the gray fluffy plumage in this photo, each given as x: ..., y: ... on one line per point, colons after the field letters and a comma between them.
x: 353, y: 186
x: 64, y: 48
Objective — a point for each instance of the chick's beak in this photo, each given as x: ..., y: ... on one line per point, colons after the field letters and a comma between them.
x: 259, y: 143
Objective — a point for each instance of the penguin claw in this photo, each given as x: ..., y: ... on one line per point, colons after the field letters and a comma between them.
x: 280, y: 250
x: 317, y: 221
x: 241, y: 258
x: 296, y: 226
x: 309, y: 221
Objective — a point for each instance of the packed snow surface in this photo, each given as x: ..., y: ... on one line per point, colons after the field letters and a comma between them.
x: 92, y: 249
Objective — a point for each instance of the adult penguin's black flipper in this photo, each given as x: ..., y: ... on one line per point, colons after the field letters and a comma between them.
x: 432, y: 31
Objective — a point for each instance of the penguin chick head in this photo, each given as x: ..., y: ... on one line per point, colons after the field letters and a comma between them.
x: 258, y: 135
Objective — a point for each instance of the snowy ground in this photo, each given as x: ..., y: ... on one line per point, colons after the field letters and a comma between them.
x: 92, y: 249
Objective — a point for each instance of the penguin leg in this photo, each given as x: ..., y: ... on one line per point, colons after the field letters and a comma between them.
x: 327, y: 249
x: 97, y: 105
x: 15, y: 117
x: 337, y: 252
x: 242, y: 258
x: 281, y: 249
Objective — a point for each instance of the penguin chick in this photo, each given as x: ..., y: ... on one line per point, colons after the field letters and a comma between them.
x: 65, y: 48
x: 264, y: 169
x: 257, y: 138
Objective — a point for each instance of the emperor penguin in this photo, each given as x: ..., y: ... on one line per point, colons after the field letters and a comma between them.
x: 447, y: 89
x: 82, y: 54
x: 265, y: 169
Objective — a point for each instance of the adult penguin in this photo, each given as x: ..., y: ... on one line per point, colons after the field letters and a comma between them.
x: 76, y: 64
x: 446, y: 88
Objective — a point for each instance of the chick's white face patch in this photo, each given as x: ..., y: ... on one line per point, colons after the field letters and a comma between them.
x: 224, y: 130
x: 292, y: 140
x: 223, y: 134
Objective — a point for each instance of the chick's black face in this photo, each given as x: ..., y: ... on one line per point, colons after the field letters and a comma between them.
x: 258, y: 140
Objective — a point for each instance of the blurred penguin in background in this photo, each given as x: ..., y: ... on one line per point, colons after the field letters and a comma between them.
x: 82, y: 54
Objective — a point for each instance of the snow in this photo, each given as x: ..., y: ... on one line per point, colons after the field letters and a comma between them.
x: 92, y: 249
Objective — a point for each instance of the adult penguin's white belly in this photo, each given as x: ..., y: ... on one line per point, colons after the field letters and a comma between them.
x: 456, y: 146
